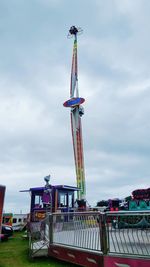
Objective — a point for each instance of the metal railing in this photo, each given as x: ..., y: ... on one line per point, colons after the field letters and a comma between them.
x: 123, y: 233
x: 128, y: 233
x: 39, y: 236
x: 80, y: 230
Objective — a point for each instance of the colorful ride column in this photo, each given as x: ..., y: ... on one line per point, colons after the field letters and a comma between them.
x: 76, y: 113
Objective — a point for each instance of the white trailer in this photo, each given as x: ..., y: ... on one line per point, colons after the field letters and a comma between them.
x: 19, y: 221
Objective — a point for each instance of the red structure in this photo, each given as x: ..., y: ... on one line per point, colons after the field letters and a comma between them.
x: 2, y: 196
x: 141, y: 194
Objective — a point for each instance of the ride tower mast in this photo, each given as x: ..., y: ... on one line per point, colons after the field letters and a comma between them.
x: 76, y: 113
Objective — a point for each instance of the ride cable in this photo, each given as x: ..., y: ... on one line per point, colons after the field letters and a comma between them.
x: 76, y: 113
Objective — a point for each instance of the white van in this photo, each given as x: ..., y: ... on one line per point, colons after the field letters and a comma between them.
x: 19, y: 221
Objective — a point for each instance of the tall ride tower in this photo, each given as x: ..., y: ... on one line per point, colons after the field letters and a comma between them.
x: 76, y: 113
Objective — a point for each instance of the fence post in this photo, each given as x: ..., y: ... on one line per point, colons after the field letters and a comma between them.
x: 51, y: 229
x: 103, y: 234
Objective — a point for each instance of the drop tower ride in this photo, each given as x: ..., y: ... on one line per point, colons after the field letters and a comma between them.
x: 74, y: 103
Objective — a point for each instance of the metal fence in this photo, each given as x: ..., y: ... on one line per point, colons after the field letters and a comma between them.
x: 125, y: 233
x: 128, y: 233
x: 39, y: 237
x: 80, y: 230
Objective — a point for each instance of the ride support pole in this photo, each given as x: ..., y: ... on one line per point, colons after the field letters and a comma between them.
x: 103, y: 234
x: 50, y: 229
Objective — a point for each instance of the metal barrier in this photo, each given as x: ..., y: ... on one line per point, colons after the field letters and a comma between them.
x: 39, y: 238
x: 128, y: 233
x: 80, y: 230
x: 111, y: 233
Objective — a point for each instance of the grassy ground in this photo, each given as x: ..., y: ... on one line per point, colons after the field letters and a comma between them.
x: 14, y: 253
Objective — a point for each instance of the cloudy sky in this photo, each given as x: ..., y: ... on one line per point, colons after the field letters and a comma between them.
x: 114, y: 78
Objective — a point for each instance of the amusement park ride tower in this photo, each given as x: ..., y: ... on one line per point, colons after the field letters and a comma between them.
x: 76, y: 113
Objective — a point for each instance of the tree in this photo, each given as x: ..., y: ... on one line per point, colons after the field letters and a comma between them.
x: 128, y: 198
x: 102, y: 203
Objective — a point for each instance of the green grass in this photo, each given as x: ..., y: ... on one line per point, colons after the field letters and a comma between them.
x: 14, y: 253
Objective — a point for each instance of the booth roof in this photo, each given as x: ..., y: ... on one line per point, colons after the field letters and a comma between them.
x: 71, y: 188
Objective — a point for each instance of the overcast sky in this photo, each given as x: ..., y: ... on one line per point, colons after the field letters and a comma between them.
x: 114, y: 78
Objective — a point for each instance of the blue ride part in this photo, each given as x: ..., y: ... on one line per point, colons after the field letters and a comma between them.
x: 75, y: 101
